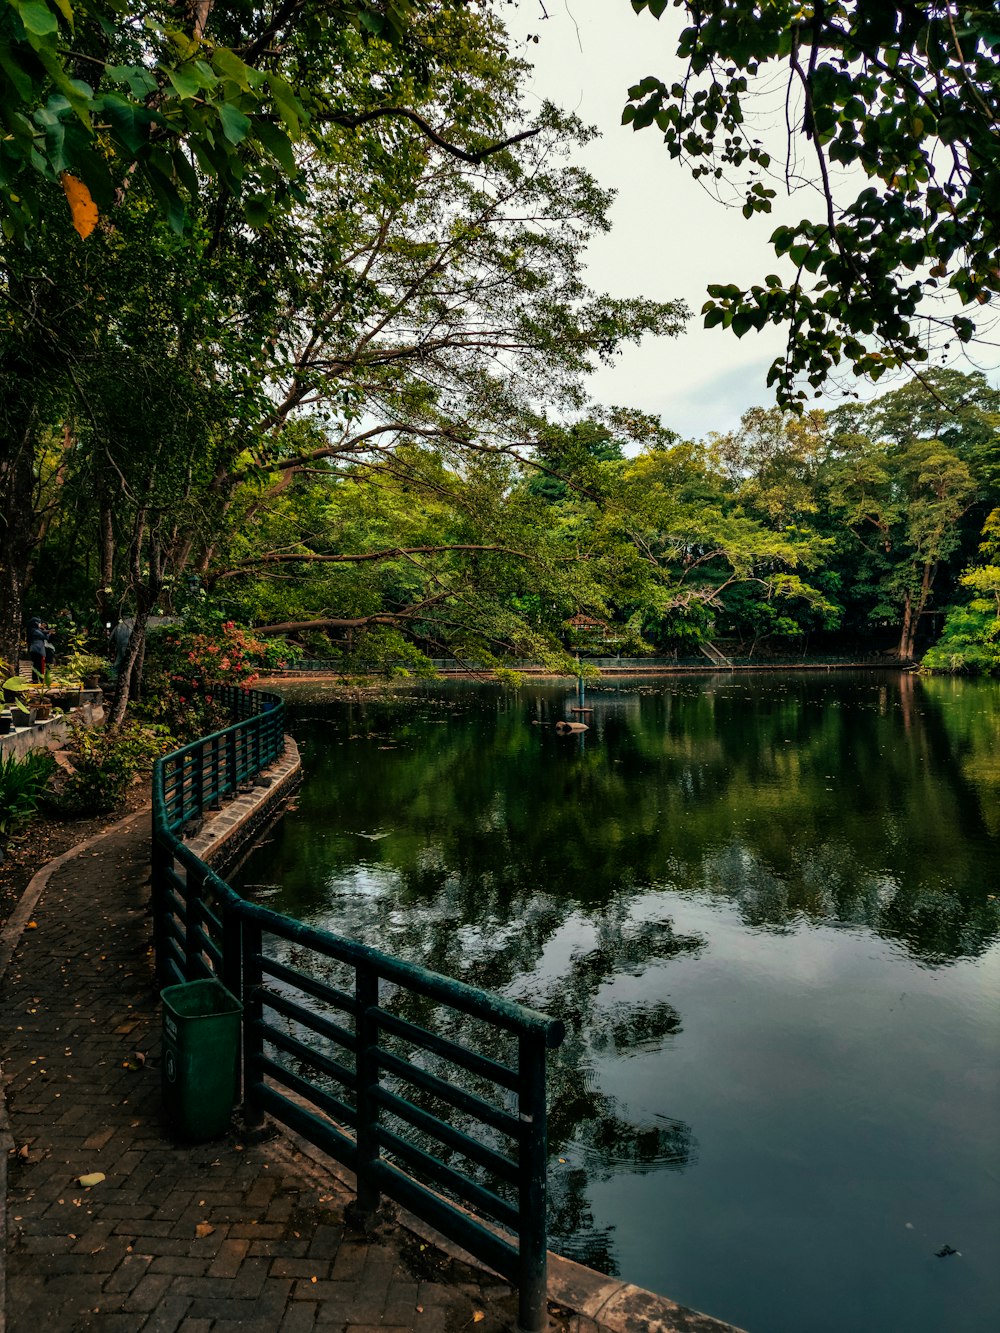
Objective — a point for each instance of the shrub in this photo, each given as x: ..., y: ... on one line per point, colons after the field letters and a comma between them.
x: 184, y: 667
x: 21, y: 784
x: 105, y: 764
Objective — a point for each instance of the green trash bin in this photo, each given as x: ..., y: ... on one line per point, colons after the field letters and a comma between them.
x: 201, y: 1039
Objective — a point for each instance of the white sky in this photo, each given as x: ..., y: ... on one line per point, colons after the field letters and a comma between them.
x: 669, y: 239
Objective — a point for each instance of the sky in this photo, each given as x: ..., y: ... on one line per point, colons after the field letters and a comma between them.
x: 669, y: 238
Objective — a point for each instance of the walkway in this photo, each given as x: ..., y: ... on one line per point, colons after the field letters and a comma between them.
x: 217, y: 1237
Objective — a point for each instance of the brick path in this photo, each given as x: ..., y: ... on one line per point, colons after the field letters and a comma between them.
x: 223, y: 1236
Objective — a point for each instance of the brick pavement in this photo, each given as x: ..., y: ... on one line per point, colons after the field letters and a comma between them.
x: 222, y: 1236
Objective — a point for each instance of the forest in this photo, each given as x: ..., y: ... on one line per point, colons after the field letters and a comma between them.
x: 296, y: 332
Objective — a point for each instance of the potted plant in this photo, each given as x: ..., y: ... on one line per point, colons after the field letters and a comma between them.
x: 14, y: 688
x: 87, y: 668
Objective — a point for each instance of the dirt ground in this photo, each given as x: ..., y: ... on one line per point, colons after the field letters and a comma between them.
x: 48, y: 836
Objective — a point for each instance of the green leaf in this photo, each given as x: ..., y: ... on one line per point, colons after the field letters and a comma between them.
x: 36, y: 17
x: 235, y: 124
x: 231, y: 67
x: 277, y: 143
x: 186, y: 81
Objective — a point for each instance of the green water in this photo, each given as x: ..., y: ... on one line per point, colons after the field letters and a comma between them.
x: 767, y: 909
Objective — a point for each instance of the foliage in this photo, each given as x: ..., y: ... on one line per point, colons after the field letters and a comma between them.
x: 97, y: 93
x: 185, y: 668
x: 970, y: 640
x: 21, y: 783
x: 904, y: 98
x: 105, y: 764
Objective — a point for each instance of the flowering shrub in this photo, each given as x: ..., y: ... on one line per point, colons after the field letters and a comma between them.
x: 185, y: 666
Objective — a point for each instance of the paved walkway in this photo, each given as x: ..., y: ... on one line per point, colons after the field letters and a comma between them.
x: 216, y: 1237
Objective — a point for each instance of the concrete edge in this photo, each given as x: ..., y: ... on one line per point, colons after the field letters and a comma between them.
x: 598, y: 1303
x: 227, y: 833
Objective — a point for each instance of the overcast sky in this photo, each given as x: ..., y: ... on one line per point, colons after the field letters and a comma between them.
x: 669, y: 239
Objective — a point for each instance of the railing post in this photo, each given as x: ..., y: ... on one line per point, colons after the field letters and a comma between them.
x: 532, y: 1191
x: 193, y: 897
x: 160, y: 862
x: 232, y: 781
x: 216, y: 765
x: 366, y: 1067
x: 253, y: 1016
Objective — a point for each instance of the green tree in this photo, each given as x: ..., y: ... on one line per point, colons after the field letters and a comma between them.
x: 901, y: 99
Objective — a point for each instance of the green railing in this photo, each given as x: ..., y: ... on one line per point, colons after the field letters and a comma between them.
x: 331, y: 1045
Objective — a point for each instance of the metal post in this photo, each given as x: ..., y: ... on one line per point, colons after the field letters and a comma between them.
x: 366, y: 1067
x: 533, y: 1160
x: 194, y: 893
x: 160, y: 862
x: 232, y: 778
x: 216, y: 789
x: 253, y: 1015
x: 198, y: 779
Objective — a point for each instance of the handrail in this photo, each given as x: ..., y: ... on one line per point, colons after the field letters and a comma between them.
x: 371, y: 1092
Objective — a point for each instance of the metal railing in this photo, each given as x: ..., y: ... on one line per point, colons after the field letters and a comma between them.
x: 332, y: 1046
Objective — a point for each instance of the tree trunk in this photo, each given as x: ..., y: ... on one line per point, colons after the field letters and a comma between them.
x: 905, y: 650
x: 133, y: 655
x: 913, y: 611
x: 17, y: 539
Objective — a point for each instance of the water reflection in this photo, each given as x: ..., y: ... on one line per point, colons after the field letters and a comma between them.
x: 712, y: 856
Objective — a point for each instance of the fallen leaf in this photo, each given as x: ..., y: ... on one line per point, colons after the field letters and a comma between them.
x: 478, y: 1317
x: 94, y: 1178
x: 32, y: 925
x: 23, y: 1151
x: 204, y: 1229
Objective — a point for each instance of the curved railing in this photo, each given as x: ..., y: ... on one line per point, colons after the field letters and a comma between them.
x: 365, y: 1084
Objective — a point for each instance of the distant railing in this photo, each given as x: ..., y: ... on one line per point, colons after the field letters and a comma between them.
x: 327, y: 1051
x: 307, y: 667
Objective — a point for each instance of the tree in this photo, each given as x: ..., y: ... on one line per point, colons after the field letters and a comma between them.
x: 901, y: 98
x: 96, y: 96
x: 406, y: 325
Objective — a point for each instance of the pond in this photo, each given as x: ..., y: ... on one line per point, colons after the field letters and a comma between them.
x: 767, y: 908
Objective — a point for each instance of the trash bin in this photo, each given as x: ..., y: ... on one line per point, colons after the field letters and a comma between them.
x: 201, y: 1038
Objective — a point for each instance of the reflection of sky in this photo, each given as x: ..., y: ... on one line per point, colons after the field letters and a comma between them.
x: 838, y: 1093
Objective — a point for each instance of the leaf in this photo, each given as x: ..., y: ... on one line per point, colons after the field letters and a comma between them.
x: 204, y: 1229
x: 81, y: 206
x: 37, y: 18
x: 185, y: 81
x: 94, y: 1178
x: 234, y: 123
x: 478, y: 1317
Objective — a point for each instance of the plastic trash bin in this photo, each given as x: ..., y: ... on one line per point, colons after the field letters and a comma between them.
x: 201, y: 1038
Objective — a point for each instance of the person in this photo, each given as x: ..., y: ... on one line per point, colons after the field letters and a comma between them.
x: 37, y: 637
x: 118, y: 645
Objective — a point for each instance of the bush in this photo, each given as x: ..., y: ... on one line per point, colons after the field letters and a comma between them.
x: 22, y: 782
x: 184, y: 666
x: 105, y: 764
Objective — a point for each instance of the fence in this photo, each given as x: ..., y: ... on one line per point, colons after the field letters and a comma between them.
x: 331, y: 1047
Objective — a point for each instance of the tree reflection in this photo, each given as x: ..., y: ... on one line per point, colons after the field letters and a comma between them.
x: 448, y: 828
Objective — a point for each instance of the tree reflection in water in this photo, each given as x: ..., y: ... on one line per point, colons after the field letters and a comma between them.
x: 452, y: 826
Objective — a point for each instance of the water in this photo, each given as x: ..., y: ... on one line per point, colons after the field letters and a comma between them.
x: 767, y: 909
